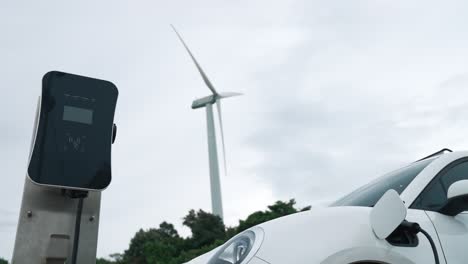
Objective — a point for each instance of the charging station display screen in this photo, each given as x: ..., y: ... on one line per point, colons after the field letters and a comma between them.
x: 76, y: 114
x: 72, y: 148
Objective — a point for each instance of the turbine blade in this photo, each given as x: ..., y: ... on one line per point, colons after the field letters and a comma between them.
x: 218, y: 105
x: 200, y: 70
x: 229, y: 94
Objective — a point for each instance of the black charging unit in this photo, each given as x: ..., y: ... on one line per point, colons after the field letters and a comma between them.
x: 71, y: 153
x: 72, y: 148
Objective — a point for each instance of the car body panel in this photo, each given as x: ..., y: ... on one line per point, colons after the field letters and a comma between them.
x: 338, y: 235
x: 453, y: 235
x: 257, y: 260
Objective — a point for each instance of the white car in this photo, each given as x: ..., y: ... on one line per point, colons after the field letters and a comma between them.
x: 367, y: 225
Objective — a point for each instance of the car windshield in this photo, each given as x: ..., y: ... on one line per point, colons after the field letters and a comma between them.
x: 369, y: 194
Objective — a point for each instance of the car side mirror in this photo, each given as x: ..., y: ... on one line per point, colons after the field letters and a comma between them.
x: 387, y: 214
x: 457, y: 199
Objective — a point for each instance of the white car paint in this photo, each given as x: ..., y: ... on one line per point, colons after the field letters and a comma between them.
x: 453, y: 236
x: 344, y: 234
x: 388, y: 213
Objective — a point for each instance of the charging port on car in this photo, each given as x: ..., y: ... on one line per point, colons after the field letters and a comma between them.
x: 403, y: 237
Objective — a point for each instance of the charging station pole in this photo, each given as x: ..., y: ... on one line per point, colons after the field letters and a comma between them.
x: 58, y: 202
x: 46, y: 227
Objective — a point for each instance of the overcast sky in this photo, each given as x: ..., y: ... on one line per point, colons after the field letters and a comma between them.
x: 336, y: 93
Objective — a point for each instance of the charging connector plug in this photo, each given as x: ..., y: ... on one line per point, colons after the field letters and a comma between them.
x: 415, y: 228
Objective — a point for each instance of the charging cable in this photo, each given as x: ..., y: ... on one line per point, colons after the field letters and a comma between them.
x: 80, y: 195
x: 415, y: 228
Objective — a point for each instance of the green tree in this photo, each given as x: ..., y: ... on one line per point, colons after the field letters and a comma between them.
x: 3, y: 261
x: 274, y: 211
x: 154, y: 246
x: 206, y: 229
x: 193, y: 253
x: 116, y: 258
x: 103, y: 261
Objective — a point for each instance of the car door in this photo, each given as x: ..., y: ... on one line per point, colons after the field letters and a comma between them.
x: 452, y: 231
x: 453, y: 235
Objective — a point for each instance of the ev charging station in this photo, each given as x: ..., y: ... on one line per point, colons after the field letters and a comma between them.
x: 69, y: 166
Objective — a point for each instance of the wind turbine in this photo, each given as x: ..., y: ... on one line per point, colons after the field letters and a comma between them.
x: 208, y: 102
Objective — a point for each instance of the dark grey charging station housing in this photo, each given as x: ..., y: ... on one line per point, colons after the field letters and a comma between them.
x: 72, y: 147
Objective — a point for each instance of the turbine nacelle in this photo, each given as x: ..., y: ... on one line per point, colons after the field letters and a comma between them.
x: 202, y: 102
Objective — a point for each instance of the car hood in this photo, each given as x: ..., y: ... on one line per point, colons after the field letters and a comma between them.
x: 312, y: 236
x: 321, y: 235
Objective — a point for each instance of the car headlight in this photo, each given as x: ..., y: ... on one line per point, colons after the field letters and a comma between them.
x: 239, y: 249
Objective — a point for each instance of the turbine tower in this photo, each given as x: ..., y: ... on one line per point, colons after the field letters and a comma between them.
x: 208, y: 102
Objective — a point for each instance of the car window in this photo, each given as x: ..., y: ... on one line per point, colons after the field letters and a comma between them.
x: 434, y: 196
x: 369, y: 194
